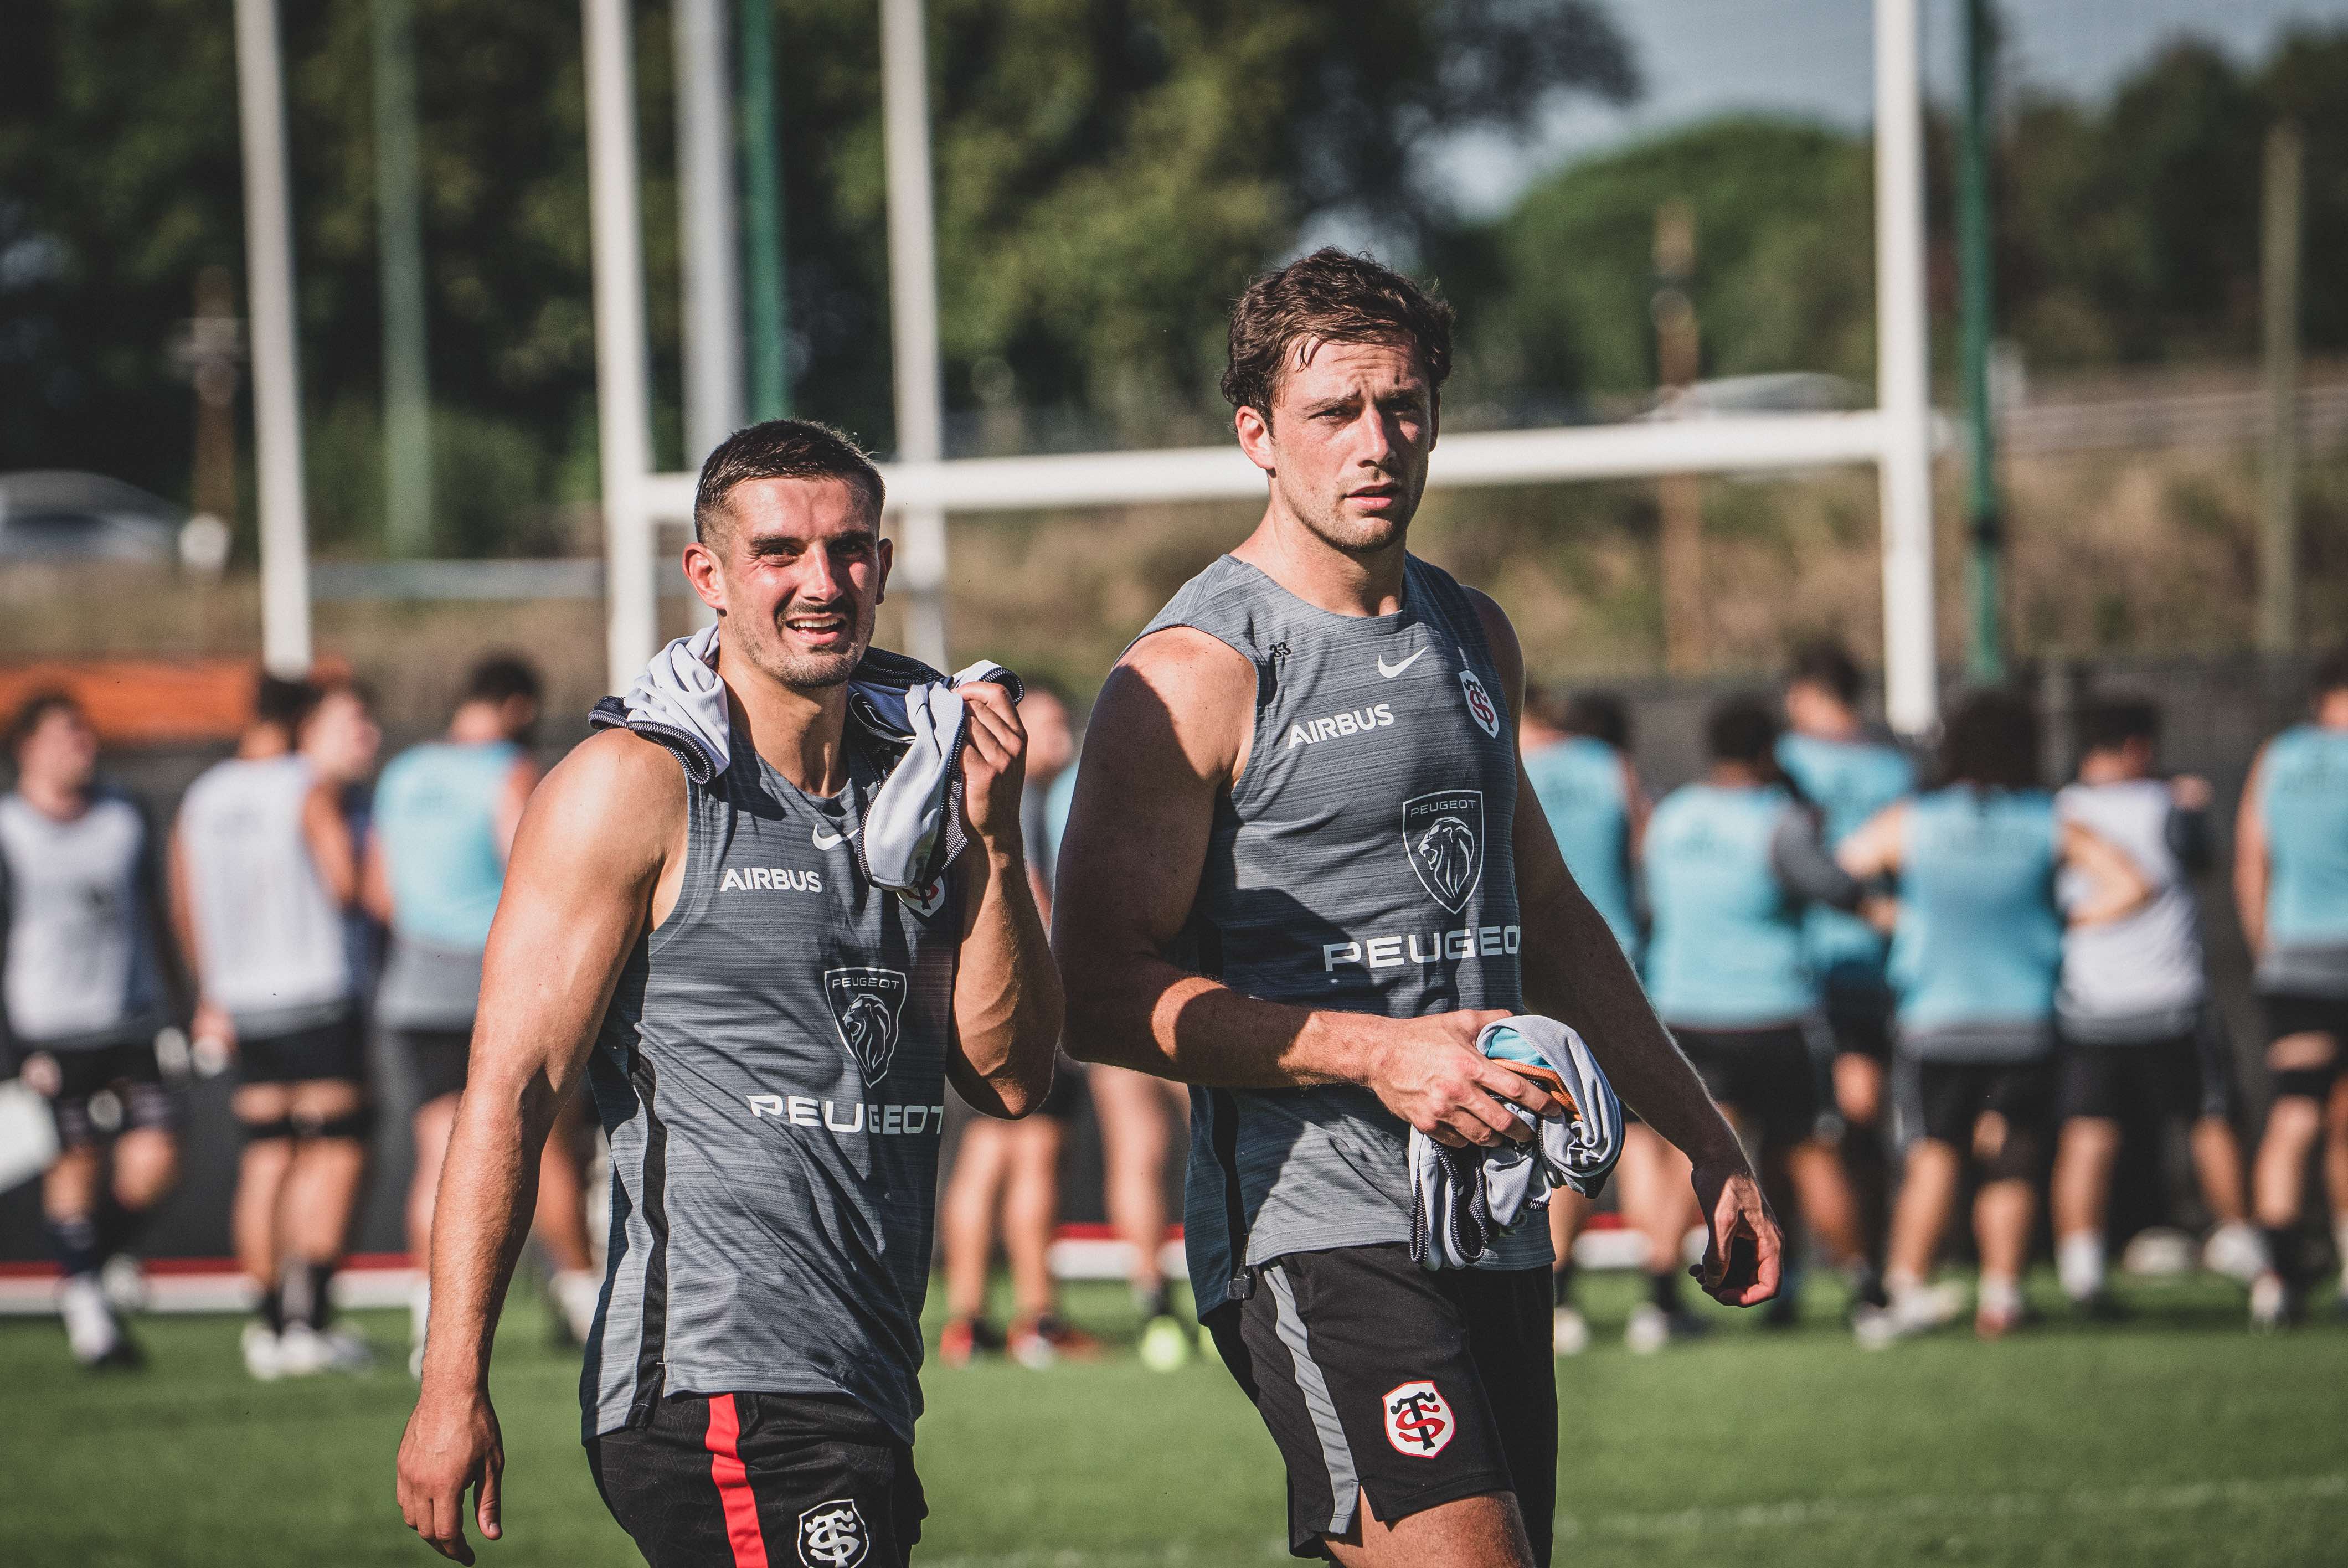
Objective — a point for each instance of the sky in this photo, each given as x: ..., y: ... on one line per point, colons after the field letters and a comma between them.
x: 1701, y: 58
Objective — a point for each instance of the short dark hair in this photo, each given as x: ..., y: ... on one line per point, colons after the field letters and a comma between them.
x: 36, y: 711
x: 1598, y: 716
x: 2110, y: 722
x: 282, y: 702
x: 1990, y: 740
x: 783, y: 449
x: 2329, y: 675
x: 1827, y: 664
x: 1333, y: 297
x: 1742, y: 729
x: 500, y: 678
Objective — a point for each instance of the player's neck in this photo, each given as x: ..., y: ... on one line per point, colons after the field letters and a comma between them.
x: 1340, y: 582
x: 2103, y: 768
x: 1734, y: 775
x: 262, y: 742
x: 1838, y: 724
x: 475, y: 725
x: 800, y: 730
x: 55, y: 800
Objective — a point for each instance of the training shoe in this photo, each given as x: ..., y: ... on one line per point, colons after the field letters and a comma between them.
x: 1046, y: 1340
x: 304, y: 1352
x: 91, y: 1331
x: 1569, y: 1331
x: 1165, y: 1343
x: 2273, y: 1304
x: 2236, y: 1250
x: 576, y: 1293
x: 262, y: 1358
x: 1651, y: 1327
x: 1916, y: 1310
x: 125, y: 1282
x: 964, y: 1338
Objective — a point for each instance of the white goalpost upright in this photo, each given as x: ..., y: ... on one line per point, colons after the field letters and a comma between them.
x: 1897, y: 437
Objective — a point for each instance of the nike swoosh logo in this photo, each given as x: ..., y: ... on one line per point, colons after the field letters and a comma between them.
x: 1390, y: 671
x: 832, y: 840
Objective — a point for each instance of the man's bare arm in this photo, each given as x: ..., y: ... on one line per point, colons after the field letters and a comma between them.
x: 2251, y: 865
x: 1168, y: 735
x: 592, y: 862
x: 326, y: 832
x: 1575, y: 972
x: 1006, y: 1004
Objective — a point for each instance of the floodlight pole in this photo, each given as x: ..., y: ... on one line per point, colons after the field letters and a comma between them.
x: 1903, y: 387
x: 276, y: 372
x: 709, y: 241
x: 762, y: 198
x: 1976, y: 268
x: 622, y: 403
x: 400, y: 246
x: 913, y: 314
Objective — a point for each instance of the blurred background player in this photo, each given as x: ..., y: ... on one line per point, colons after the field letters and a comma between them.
x: 88, y: 977
x: 2290, y: 886
x: 1010, y: 1170
x: 445, y: 816
x: 1849, y: 773
x: 263, y: 872
x: 1578, y: 755
x: 1731, y: 863
x: 2141, y: 1043
x: 1974, y: 959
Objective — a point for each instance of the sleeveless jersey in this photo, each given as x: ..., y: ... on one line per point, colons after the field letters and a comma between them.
x: 1726, y: 950
x: 771, y: 1075
x: 435, y: 809
x: 1362, y: 863
x: 2304, y: 794
x: 1580, y: 785
x: 1849, y: 782
x: 2139, y: 978
x: 77, y: 934
x: 1979, y: 941
x: 270, y: 939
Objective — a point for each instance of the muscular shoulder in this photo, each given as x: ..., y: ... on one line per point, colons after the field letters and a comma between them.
x: 617, y: 797
x: 1184, y: 690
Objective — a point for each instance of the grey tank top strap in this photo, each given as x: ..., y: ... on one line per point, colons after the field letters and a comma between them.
x: 1362, y: 862
x: 771, y: 1076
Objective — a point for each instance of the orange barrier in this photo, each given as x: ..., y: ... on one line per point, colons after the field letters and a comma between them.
x: 147, y: 701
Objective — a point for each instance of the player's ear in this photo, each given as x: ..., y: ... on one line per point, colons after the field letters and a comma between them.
x: 884, y: 555
x: 702, y: 571
x: 1253, y: 427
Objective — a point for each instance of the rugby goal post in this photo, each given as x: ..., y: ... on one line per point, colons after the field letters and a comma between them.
x: 1897, y: 435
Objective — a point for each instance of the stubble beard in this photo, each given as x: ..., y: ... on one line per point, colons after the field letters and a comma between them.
x: 810, y: 672
x: 1357, y: 535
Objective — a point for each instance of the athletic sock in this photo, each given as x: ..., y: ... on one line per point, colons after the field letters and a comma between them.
x: 2001, y: 1295
x: 1561, y: 1283
x: 1866, y: 1283
x: 1153, y: 1301
x: 419, y: 1310
x: 2079, y: 1263
x: 119, y: 1228
x: 1663, y: 1290
x: 301, y: 1293
x: 2286, y: 1253
x: 73, y: 1242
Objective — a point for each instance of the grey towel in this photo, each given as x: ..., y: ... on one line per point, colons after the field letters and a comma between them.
x: 1463, y: 1198
x: 907, y: 712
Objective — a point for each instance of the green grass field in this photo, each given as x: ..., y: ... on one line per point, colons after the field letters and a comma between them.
x: 2174, y: 1438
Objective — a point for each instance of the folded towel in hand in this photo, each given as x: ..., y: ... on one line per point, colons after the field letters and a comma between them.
x: 1461, y: 1199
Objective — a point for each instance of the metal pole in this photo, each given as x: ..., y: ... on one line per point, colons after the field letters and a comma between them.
x: 914, y: 310
x: 276, y: 383
x: 2279, y: 532
x: 1977, y: 264
x: 399, y: 243
x: 622, y: 403
x: 1903, y: 391
x: 708, y: 232
x: 1678, y: 358
x: 762, y: 231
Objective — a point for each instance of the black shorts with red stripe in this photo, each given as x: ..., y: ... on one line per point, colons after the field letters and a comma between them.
x: 761, y: 1480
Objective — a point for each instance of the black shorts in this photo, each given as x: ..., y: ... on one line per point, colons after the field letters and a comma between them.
x: 1767, y: 1075
x: 1066, y: 1099
x: 1860, y: 1018
x: 436, y: 1060
x: 2289, y: 1014
x: 722, y: 1480
x: 332, y: 1051
x: 73, y: 1079
x: 1944, y: 1098
x: 1419, y: 1388
x: 2184, y: 1076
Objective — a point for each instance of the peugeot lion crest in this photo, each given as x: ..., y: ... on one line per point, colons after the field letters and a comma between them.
x: 868, y: 1006
x: 1443, y: 834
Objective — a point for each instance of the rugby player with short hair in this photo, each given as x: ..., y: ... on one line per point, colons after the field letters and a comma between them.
x: 2142, y: 1042
x: 1298, y: 878
x: 1976, y: 949
x: 445, y: 816
x: 88, y: 977
x: 2290, y: 886
x: 767, y: 1035
x: 263, y: 870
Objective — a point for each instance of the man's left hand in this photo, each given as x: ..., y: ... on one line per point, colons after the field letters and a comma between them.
x: 993, y: 764
x: 1741, y: 1255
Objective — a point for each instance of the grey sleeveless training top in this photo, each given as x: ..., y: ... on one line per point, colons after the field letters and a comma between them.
x: 78, y: 968
x: 1363, y: 863
x: 771, y: 1076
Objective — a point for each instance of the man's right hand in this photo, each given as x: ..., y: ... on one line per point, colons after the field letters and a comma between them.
x: 452, y: 1445
x: 1427, y: 1072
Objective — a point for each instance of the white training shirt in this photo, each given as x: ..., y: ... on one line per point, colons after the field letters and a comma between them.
x: 269, y: 938
x: 80, y: 965
x: 2138, y: 978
